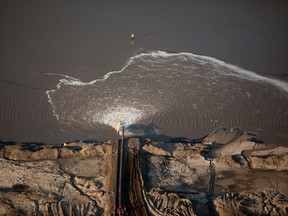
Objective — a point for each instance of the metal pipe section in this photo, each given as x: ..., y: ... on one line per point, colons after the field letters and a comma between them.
x: 118, y: 207
x: 116, y: 177
x: 120, y: 172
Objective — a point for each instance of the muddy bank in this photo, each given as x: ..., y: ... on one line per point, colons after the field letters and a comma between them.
x: 39, y: 41
x: 71, y: 178
x: 227, y: 172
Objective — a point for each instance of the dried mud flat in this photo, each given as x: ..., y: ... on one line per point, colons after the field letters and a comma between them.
x: 229, y: 172
x: 67, y: 179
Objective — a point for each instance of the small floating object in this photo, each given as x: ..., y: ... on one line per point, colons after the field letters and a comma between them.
x: 132, y: 36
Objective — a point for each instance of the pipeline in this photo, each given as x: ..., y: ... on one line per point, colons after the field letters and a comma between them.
x: 118, y: 205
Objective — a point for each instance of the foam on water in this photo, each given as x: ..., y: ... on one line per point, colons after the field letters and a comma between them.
x: 235, y: 70
x: 117, y: 116
x: 218, y: 64
x: 181, y: 90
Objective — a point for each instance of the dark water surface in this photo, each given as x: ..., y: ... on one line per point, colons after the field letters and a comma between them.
x: 42, y: 44
x: 181, y: 93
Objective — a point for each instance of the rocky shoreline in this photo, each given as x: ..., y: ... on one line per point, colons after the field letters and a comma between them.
x: 229, y: 172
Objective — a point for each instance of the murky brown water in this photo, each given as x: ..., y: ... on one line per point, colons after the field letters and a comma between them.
x: 44, y: 42
x: 182, y: 94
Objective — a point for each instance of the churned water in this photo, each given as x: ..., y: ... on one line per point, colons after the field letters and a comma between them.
x: 181, y: 93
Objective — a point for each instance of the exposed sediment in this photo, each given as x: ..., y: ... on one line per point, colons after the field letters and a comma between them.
x: 67, y: 179
x: 248, y: 177
x: 266, y: 202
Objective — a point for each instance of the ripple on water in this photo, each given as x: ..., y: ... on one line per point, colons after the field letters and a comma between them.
x: 23, y: 113
x: 181, y: 91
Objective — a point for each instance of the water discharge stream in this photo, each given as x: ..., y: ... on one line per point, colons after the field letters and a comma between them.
x: 182, y: 93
